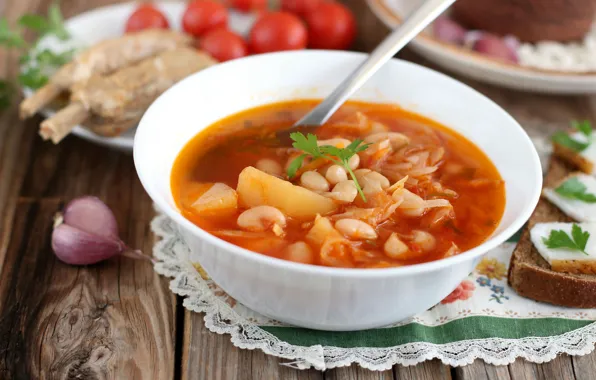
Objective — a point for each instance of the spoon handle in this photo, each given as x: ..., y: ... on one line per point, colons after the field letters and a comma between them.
x: 414, y: 24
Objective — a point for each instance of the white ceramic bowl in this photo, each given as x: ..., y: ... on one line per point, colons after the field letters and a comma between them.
x: 313, y: 296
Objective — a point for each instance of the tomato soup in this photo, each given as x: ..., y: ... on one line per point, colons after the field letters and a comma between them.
x: 376, y: 186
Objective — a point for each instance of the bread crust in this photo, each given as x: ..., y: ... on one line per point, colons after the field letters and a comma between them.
x: 531, y: 276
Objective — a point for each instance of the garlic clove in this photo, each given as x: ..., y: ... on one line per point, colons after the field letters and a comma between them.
x: 74, y: 246
x: 91, y: 215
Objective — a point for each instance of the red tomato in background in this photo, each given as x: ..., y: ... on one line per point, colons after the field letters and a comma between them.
x: 203, y: 15
x: 248, y: 5
x: 330, y: 26
x: 223, y: 45
x: 299, y: 7
x: 277, y: 31
x: 146, y: 16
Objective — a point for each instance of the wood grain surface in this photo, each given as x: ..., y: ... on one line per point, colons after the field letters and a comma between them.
x: 118, y: 319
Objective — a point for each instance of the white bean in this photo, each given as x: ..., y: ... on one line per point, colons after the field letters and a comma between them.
x: 300, y: 252
x: 354, y: 162
x: 397, y: 139
x: 394, y: 247
x: 269, y: 166
x: 377, y: 178
x: 345, y: 191
x: 360, y: 173
x: 314, y: 181
x: 355, y: 229
x: 261, y: 218
x: 336, y: 142
x: 424, y: 240
x: 376, y: 127
x: 411, y: 205
x: 413, y: 212
x: 335, y: 174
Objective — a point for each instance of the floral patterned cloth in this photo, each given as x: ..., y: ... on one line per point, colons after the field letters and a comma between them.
x: 483, y: 318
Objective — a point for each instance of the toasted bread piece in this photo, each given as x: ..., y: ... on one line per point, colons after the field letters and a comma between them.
x: 573, y: 158
x: 531, y: 276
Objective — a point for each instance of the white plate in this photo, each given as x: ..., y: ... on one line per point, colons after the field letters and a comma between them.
x: 480, y: 67
x: 102, y: 23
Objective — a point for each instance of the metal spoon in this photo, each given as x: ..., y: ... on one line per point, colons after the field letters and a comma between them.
x: 414, y: 24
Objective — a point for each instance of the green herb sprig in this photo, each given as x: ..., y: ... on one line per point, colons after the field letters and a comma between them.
x: 560, y: 239
x: 54, y: 24
x: 37, y: 64
x: 308, y: 144
x: 563, y: 138
x: 573, y: 188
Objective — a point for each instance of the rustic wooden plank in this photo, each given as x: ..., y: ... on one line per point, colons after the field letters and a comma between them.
x: 15, y: 138
x: 114, y: 319
x: 479, y: 370
x: 584, y: 367
x: 208, y: 356
x: 559, y: 368
x: 269, y: 367
x: 429, y: 370
x: 355, y: 372
x: 111, y: 320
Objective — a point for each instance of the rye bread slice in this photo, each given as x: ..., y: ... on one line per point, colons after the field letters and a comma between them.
x: 531, y: 276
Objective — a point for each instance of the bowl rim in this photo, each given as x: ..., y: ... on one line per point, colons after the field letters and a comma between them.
x: 259, y: 258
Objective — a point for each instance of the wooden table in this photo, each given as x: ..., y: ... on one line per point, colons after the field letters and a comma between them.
x: 118, y: 320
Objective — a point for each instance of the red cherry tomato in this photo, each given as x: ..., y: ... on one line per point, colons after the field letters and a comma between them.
x: 277, y: 31
x: 203, y: 15
x: 248, y: 5
x: 299, y: 7
x: 223, y: 45
x: 146, y: 16
x: 331, y: 26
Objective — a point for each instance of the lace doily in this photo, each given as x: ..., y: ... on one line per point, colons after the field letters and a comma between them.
x: 224, y: 316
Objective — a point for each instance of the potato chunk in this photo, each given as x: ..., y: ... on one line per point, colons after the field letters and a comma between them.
x: 219, y: 198
x: 256, y: 188
x: 321, y: 230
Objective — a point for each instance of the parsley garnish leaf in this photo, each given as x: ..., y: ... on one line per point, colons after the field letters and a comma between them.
x: 57, y: 22
x: 560, y: 239
x: 53, y: 24
x: 573, y: 188
x: 33, y: 78
x: 37, y: 65
x: 308, y: 144
x: 10, y: 38
x: 584, y: 127
x: 356, y: 147
x: 36, y: 23
x: 47, y: 57
x: 564, y: 139
x: 295, y: 165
